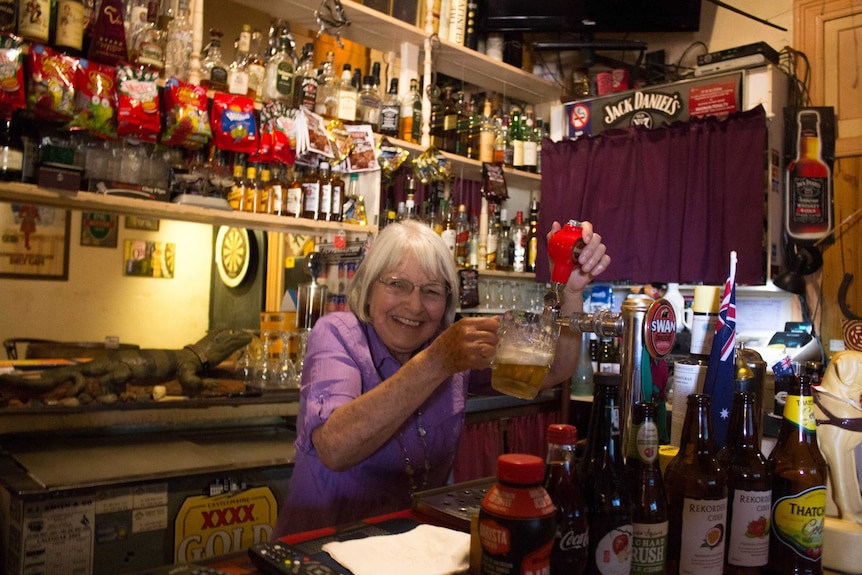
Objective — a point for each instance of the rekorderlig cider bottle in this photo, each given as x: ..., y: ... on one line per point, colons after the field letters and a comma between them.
x: 749, y: 488
x: 798, y: 487
x: 697, y: 497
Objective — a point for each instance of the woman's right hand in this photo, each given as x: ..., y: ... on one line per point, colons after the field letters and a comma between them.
x: 466, y: 344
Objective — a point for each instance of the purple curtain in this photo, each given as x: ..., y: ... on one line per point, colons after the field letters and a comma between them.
x: 670, y: 203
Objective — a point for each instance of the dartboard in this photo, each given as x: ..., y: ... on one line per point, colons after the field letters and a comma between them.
x: 853, y: 334
x: 232, y: 255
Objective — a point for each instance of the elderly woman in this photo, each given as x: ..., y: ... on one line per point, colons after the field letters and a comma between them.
x: 384, y: 385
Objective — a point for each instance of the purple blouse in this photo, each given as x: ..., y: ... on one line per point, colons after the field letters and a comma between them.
x: 344, y: 359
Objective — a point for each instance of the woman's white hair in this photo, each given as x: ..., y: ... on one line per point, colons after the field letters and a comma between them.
x: 397, y: 241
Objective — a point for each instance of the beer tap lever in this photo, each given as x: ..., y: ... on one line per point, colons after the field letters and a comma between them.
x: 564, y: 247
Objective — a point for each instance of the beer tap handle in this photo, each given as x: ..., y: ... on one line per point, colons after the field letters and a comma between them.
x: 564, y: 247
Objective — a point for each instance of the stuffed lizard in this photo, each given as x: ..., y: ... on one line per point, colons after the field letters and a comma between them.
x: 188, y: 365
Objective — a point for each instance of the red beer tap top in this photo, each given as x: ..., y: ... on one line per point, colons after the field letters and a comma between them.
x: 564, y: 247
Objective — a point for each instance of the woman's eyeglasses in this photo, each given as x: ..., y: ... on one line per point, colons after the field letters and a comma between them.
x: 433, y: 292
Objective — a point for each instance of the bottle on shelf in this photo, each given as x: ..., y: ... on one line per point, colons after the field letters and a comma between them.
x: 8, y: 20
x: 338, y: 189
x: 328, y: 83
x: 255, y: 66
x: 492, y: 238
x: 11, y: 152
x: 501, y: 138
x: 310, y: 195
x: 390, y: 111
x: 293, y: 201
x: 149, y: 43
x: 462, y: 125
x: 281, y: 74
x: 462, y: 238
x: 609, y: 359
x: 238, y: 74
x: 278, y: 190
x: 517, y: 139
x: 325, y: 182
x: 487, y: 134
x: 449, y: 231
x: 436, y: 123
x: 504, y: 243
x: 533, y: 237
x: 236, y: 196
x: 179, y: 43
x: 251, y: 191
x: 528, y: 136
x: 34, y: 20
x: 697, y: 497
x: 582, y: 379
x: 213, y: 68
x: 609, y: 505
x: 69, y: 29
x: 368, y: 104
x: 798, y: 486
x: 519, y: 234
x: 649, y: 508
x: 571, y: 539
x: 411, y: 103
x: 540, y: 135
x: 749, y: 488
x: 450, y: 121
x: 690, y: 373
x: 305, y: 80
x: 347, y: 94
x: 266, y: 201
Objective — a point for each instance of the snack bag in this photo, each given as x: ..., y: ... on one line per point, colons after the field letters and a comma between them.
x: 11, y: 74
x: 277, y: 135
x: 233, y: 124
x: 188, y: 124
x: 95, y: 99
x: 138, y: 107
x: 52, y: 84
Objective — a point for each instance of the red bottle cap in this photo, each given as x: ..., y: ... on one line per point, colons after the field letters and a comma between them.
x: 562, y: 434
x: 520, y: 468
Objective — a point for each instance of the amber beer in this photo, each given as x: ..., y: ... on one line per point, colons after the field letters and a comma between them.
x: 519, y: 379
x: 697, y: 497
x: 798, y: 486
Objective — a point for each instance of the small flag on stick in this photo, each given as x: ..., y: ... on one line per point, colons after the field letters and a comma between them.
x: 722, y: 359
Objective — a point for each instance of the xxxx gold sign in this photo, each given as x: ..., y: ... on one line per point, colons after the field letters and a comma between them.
x: 207, y: 527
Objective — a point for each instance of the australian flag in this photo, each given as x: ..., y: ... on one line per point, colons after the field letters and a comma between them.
x: 721, y: 372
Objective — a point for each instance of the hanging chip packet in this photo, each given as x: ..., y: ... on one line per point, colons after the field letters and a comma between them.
x: 138, y: 106
x: 12, y: 95
x: 233, y: 124
x: 95, y: 99
x: 51, y: 93
x: 187, y: 122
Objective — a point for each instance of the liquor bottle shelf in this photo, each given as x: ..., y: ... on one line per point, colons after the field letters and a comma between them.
x: 16, y: 192
x: 379, y: 31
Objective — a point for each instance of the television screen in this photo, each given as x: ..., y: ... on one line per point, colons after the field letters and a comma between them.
x: 589, y: 15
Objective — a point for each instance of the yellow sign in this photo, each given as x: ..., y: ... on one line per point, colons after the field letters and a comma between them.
x: 207, y: 527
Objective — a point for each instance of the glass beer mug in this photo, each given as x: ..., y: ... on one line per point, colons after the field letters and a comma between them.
x: 524, y: 353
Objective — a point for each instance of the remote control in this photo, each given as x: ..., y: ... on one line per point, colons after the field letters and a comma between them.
x: 279, y: 559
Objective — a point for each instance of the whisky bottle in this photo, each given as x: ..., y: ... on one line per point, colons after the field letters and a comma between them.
x: 305, y: 81
x: 487, y: 134
x: 808, y: 211
x: 179, y: 43
x: 69, y: 29
x: 310, y: 195
x: 338, y: 190
x: 325, y: 186
x: 410, y: 104
x: 238, y: 79
x: 213, y: 67
x: 368, y: 104
x: 347, y: 95
x: 255, y: 67
x: 528, y: 136
x: 390, y: 111
x: 517, y: 140
x: 293, y: 204
x: 281, y: 74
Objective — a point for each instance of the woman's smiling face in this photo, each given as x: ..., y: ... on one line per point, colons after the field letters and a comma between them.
x: 405, y: 321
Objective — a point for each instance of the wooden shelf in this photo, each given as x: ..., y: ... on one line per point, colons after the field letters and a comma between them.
x: 472, y: 169
x: 382, y: 32
x: 15, y: 192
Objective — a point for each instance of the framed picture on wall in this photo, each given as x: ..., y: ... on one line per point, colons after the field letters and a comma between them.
x: 34, y: 242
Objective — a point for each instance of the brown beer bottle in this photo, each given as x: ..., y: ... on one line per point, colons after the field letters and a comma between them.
x: 697, y: 496
x: 609, y: 506
x: 649, y: 507
x: 569, y: 553
x: 798, y: 487
x: 749, y: 490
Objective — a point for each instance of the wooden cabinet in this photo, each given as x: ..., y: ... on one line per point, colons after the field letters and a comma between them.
x: 827, y: 32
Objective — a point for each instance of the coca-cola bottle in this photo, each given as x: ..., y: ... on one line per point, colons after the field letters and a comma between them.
x: 649, y: 507
x: 569, y: 553
x: 609, y: 505
x: 749, y: 488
